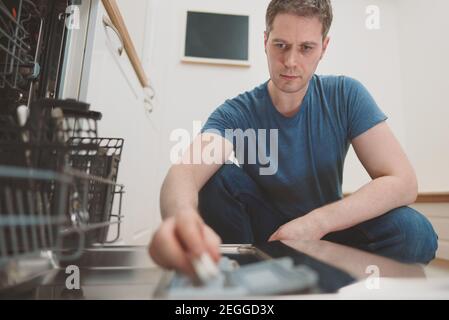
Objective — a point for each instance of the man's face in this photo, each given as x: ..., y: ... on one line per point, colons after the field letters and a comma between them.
x: 294, y: 48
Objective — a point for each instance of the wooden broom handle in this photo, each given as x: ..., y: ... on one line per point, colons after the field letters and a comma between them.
x: 116, y: 17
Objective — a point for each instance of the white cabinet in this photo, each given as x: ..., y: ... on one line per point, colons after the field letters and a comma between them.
x: 109, y: 83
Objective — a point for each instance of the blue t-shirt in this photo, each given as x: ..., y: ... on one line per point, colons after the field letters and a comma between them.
x: 312, y: 144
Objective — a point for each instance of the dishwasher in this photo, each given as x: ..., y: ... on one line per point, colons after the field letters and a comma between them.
x: 246, y: 271
x: 59, y: 194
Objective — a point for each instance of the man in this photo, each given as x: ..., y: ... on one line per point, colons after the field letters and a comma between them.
x: 317, y: 118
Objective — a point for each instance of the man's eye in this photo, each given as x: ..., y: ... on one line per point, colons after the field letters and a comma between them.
x: 307, y: 48
x: 281, y: 45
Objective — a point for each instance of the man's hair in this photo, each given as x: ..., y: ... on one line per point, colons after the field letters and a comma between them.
x: 322, y: 9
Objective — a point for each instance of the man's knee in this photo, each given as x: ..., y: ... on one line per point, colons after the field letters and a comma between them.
x: 421, y: 241
x: 409, y: 234
x: 234, y: 205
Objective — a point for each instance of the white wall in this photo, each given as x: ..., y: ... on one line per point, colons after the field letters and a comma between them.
x: 424, y: 74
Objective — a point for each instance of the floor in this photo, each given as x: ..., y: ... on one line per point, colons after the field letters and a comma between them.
x: 438, y: 268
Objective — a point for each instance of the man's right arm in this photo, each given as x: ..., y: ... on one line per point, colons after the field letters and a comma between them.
x: 183, y: 235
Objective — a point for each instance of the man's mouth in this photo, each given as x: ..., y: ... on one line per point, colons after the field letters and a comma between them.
x: 287, y: 77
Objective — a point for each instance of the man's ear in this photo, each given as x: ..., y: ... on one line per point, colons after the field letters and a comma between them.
x: 325, y: 44
x: 265, y: 40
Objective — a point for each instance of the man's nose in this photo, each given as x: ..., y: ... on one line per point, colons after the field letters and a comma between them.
x: 291, y: 59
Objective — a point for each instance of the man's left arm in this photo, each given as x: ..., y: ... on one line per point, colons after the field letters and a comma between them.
x: 393, y: 185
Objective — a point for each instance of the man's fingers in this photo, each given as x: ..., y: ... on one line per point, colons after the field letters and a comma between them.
x: 166, y: 250
x: 181, y: 240
x: 274, y: 236
x: 190, y: 234
x: 212, y: 241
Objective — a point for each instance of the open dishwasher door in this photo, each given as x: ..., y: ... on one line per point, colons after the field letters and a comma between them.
x: 269, y: 269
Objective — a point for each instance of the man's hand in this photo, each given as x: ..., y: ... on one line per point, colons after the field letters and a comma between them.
x: 180, y: 239
x: 307, y: 227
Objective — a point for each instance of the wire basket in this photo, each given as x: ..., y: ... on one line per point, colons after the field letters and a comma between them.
x: 17, y: 45
x: 92, y: 209
x: 42, y: 141
x: 61, y: 134
x: 99, y: 158
x: 32, y: 206
x: 54, y: 120
x: 32, y: 214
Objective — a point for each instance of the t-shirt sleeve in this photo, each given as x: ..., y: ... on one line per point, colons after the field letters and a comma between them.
x: 224, y: 118
x: 363, y: 113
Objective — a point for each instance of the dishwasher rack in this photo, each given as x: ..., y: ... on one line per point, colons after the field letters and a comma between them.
x: 18, y: 43
x: 62, y: 136
x: 99, y: 159
x: 32, y: 205
x: 33, y: 40
x: 32, y: 214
